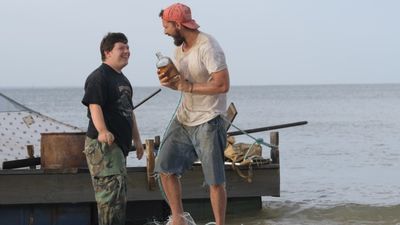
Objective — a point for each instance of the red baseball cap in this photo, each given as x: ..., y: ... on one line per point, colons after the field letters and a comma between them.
x: 180, y: 13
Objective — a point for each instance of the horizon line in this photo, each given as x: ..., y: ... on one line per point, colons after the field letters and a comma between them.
x: 245, y: 85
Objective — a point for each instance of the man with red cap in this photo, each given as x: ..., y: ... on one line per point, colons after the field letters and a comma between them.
x: 198, y: 130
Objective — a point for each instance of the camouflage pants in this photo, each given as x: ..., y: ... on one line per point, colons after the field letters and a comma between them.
x: 107, y: 167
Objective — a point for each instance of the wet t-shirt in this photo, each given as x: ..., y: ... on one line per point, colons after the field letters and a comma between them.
x: 197, y: 65
x: 113, y: 92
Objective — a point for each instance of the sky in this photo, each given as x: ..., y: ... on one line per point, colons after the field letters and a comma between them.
x: 47, y: 43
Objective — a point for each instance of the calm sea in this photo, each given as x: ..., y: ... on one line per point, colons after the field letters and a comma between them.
x: 343, y: 167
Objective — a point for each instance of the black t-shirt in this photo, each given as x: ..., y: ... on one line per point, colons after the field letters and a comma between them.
x: 113, y: 92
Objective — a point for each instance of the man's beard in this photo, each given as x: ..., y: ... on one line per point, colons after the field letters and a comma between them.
x: 178, y: 39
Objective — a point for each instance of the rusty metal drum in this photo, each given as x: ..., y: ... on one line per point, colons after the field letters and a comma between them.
x: 62, y: 150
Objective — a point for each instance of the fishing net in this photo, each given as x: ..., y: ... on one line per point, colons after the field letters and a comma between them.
x: 21, y: 126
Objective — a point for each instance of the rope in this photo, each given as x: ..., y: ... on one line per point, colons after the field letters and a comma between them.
x: 159, y: 149
x: 247, y: 152
x: 257, y: 140
x: 170, y: 121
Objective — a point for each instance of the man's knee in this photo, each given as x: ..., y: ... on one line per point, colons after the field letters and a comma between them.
x: 217, y: 186
x: 166, y: 175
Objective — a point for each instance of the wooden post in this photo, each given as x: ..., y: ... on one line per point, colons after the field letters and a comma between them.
x: 151, y: 182
x: 274, y: 140
x: 31, y: 152
x: 157, y: 142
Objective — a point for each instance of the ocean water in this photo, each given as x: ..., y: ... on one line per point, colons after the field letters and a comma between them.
x: 343, y: 167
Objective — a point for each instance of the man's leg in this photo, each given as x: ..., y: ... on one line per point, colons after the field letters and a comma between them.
x: 218, y: 202
x: 210, y: 143
x: 110, y: 194
x: 107, y: 169
x: 172, y: 189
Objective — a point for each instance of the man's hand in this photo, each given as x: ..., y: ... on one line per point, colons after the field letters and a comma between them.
x: 167, y: 81
x: 139, y: 151
x: 106, y: 137
x: 175, y: 83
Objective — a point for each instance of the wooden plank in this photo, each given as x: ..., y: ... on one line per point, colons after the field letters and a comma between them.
x: 31, y: 153
x: 35, y: 186
x: 274, y: 140
x: 45, y: 188
x: 151, y: 183
x: 231, y: 113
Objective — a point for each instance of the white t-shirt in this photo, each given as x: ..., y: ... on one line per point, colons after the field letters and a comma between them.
x: 196, y: 65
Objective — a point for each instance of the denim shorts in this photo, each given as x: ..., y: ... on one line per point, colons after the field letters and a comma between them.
x: 182, y: 145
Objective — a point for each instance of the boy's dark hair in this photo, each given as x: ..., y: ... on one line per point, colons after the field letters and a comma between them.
x: 107, y: 44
